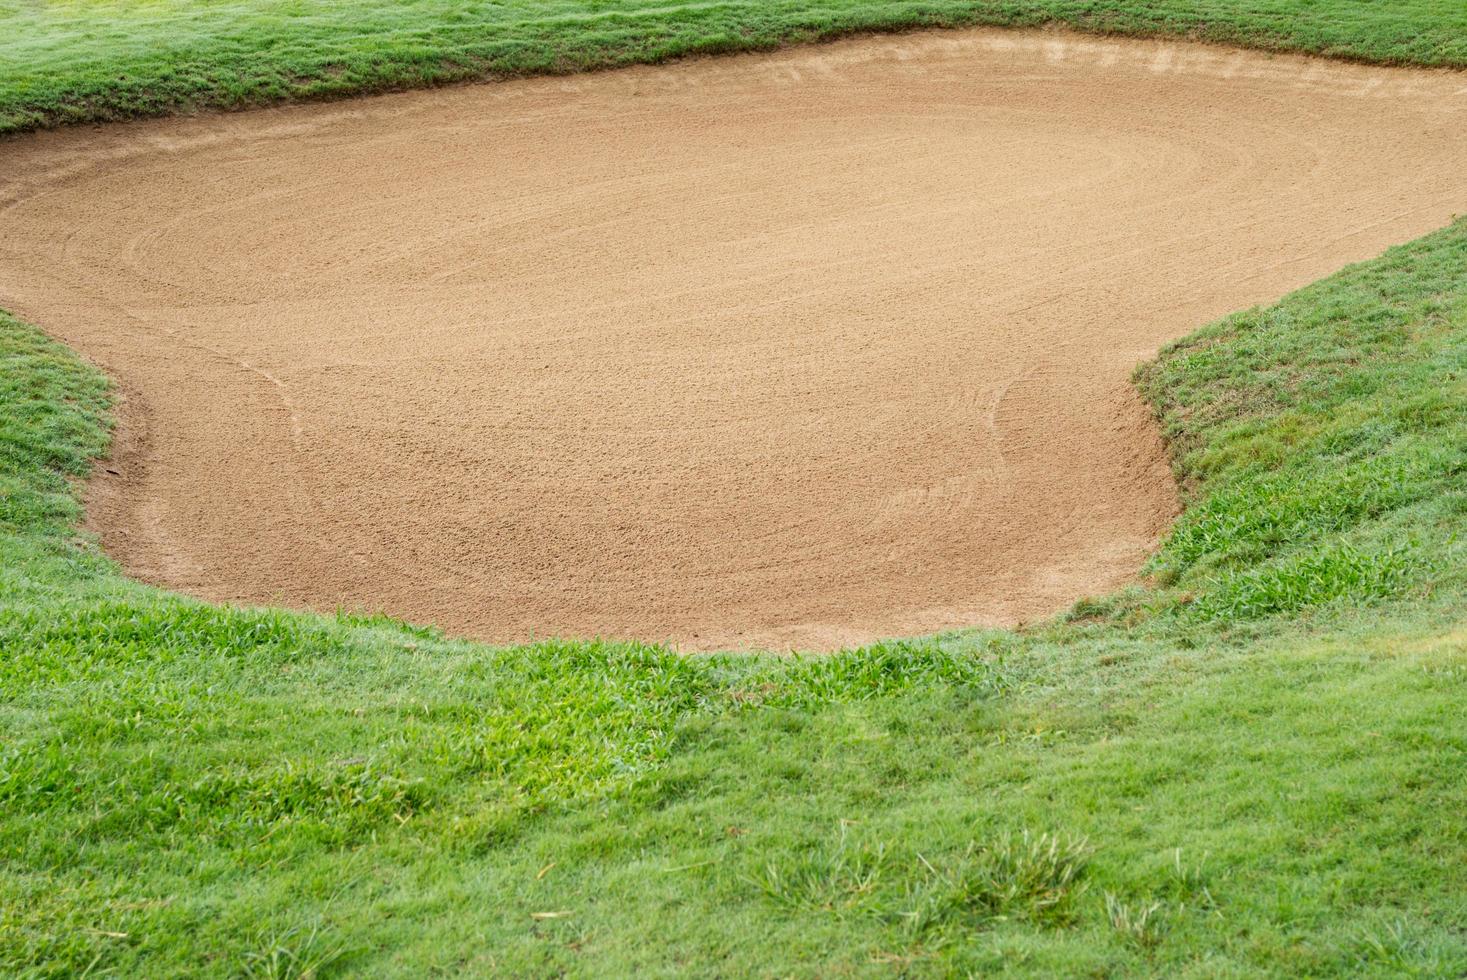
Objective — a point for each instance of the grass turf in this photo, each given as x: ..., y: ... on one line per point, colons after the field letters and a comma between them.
x: 66, y: 61
x: 1251, y: 766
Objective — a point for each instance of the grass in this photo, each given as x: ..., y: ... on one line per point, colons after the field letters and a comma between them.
x: 71, y: 61
x: 1250, y: 766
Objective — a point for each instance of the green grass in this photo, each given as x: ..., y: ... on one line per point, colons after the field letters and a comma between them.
x: 1251, y: 766
x: 66, y: 61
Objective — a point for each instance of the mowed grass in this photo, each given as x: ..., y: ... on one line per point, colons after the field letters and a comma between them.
x: 1251, y: 766
x: 65, y: 61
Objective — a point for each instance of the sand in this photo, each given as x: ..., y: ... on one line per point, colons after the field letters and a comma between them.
x: 798, y: 349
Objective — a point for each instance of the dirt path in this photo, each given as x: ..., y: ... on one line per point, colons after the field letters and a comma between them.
x: 804, y: 348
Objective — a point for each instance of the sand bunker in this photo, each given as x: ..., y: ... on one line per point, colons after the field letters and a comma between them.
x: 805, y: 348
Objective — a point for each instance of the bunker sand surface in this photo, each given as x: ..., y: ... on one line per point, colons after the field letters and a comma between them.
x: 798, y: 349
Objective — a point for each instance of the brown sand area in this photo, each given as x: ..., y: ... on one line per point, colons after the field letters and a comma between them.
x: 804, y: 348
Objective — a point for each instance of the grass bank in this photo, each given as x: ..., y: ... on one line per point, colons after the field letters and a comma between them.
x: 1251, y: 767
x: 93, y: 60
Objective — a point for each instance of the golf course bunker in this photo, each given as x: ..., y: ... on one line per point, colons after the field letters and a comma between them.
x: 804, y: 348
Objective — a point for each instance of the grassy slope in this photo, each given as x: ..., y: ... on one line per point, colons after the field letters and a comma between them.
x: 87, y: 60
x: 1254, y: 766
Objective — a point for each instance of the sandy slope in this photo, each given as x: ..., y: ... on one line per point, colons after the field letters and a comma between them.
x: 803, y: 348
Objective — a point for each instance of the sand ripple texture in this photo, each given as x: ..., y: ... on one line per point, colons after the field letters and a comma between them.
x: 798, y: 349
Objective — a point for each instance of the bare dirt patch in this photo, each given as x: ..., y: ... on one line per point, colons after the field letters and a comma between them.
x: 791, y: 349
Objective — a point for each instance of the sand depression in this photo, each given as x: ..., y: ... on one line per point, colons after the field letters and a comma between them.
x: 803, y: 348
